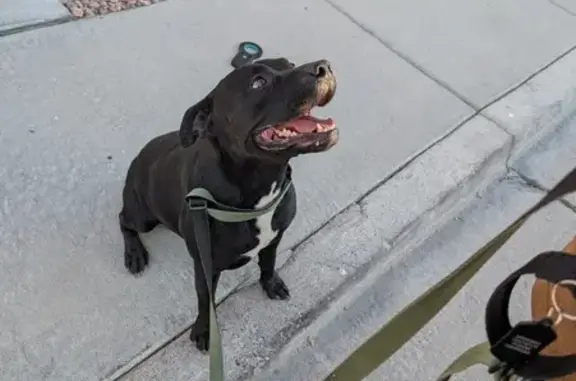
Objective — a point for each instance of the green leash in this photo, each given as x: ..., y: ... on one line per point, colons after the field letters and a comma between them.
x: 202, y: 204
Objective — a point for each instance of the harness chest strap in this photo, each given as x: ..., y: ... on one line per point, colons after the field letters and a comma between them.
x: 202, y: 199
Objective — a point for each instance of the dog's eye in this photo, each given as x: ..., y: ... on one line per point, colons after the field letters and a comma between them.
x: 258, y: 82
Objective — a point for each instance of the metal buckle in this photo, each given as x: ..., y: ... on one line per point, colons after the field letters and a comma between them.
x: 195, y: 203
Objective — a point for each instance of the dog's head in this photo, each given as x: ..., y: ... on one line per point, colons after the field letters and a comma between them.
x: 264, y: 110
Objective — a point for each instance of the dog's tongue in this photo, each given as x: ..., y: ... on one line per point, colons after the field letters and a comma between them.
x: 308, y: 123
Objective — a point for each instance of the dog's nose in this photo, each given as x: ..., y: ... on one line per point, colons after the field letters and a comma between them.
x: 319, y: 69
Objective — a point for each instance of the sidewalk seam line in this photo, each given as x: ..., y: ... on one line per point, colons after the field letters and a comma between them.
x: 562, y: 7
x: 402, y: 56
x: 535, y: 184
x: 526, y: 80
x: 438, y: 81
x: 38, y: 25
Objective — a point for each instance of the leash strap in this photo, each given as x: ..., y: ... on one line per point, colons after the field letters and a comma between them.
x: 202, y: 235
x: 400, y: 329
x: 202, y: 204
x: 477, y: 355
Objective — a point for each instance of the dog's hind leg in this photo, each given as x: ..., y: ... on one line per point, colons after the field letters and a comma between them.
x: 136, y: 256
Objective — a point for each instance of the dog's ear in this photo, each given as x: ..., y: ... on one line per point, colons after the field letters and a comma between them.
x: 196, y: 121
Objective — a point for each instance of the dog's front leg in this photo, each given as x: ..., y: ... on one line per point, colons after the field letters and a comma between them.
x: 270, y: 281
x: 200, y: 333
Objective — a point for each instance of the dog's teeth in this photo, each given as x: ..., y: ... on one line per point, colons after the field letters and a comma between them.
x: 285, y: 132
x: 317, y: 144
x: 319, y: 127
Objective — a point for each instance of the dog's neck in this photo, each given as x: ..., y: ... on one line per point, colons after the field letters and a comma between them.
x: 253, y: 177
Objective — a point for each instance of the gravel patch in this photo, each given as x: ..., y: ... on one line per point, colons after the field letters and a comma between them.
x: 91, y: 8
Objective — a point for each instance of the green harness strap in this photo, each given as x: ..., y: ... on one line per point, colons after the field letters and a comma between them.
x: 202, y: 204
x: 400, y: 329
x: 225, y: 213
x: 477, y: 355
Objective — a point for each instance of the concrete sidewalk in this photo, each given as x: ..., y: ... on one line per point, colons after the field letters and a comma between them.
x: 422, y: 88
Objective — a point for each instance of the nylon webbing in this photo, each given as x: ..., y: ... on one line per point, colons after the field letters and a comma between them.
x: 225, y: 213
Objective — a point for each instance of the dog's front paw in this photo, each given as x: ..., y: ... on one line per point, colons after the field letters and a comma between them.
x: 200, y: 336
x: 275, y: 287
x: 136, y: 256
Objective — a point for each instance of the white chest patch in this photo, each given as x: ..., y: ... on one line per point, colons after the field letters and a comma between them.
x: 264, y: 223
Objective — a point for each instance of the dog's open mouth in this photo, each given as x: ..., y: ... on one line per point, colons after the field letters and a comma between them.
x: 305, y: 132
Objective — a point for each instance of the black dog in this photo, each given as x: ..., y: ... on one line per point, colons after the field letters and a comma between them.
x: 236, y: 143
